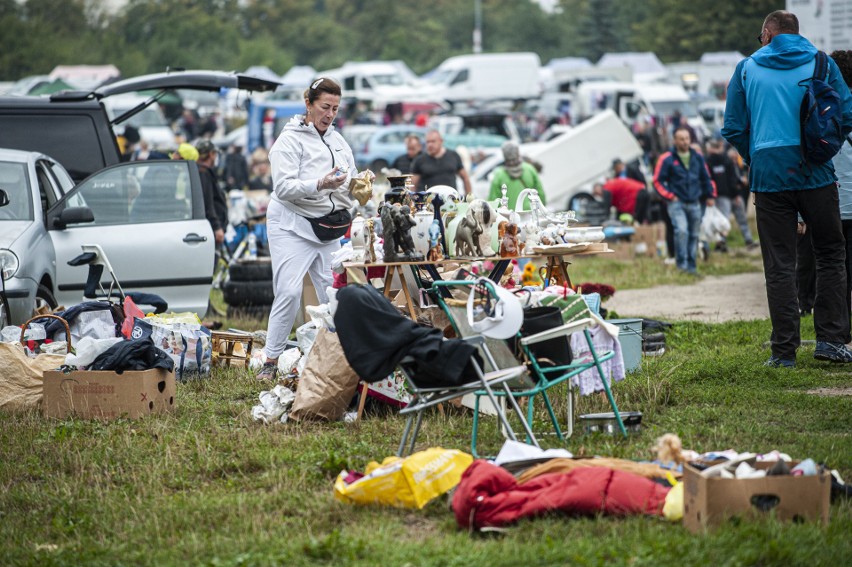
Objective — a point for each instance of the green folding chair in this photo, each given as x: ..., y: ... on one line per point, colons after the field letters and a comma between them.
x: 538, y: 378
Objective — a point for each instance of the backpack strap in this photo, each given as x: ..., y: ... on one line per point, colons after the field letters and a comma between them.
x: 821, y: 66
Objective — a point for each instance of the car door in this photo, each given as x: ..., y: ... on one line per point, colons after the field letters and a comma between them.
x: 149, y: 220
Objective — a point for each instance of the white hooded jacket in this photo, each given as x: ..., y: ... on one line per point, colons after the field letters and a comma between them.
x: 300, y: 157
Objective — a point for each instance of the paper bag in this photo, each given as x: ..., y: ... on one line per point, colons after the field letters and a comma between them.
x: 21, y: 376
x: 327, y: 384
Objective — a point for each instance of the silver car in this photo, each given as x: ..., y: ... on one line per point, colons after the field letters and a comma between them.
x: 148, y: 216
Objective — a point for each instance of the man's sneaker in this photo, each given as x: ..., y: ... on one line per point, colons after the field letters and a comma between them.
x: 268, y: 372
x: 775, y: 362
x: 833, y: 352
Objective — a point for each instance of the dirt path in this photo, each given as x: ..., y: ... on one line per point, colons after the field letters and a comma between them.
x: 713, y: 299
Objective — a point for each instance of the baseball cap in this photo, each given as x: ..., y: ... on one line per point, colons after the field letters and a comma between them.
x: 493, y: 310
x: 204, y: 148
x: 187, y: 152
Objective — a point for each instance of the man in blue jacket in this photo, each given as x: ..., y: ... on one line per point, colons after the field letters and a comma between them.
x: 683, y: 180
x: 762, y: 122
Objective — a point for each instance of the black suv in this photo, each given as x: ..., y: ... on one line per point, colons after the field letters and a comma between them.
x: 73, y: 127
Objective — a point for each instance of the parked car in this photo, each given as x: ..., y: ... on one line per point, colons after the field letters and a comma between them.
x: 385, y: 145
x: 148, y: 216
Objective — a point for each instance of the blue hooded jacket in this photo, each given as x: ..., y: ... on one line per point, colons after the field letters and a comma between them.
x: 762, y: 114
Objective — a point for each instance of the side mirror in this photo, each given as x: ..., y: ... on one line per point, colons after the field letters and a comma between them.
x: 4, y: 198
x: 73, y: 215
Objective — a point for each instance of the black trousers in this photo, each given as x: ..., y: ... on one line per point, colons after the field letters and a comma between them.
x: 776, y: 227
x: 805, y: 271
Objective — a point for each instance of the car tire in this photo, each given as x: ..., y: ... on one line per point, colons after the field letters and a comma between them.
x: 44, y: 298
x: 250, y: 271
x: 377, y: 166
x: 248, y: 293
x: 248, y: 311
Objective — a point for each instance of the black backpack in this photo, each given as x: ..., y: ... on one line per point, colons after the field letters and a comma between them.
x: 819, y: 116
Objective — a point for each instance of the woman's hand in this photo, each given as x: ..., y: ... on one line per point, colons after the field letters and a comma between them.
x: 332, y: 179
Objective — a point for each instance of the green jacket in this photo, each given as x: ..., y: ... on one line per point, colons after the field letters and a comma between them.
x: 529, y: 179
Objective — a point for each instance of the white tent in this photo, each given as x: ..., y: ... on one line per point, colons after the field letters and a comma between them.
x: 722, y: 58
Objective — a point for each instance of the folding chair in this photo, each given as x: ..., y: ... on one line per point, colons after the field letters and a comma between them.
x: 541, y: 378
x: 485, y: 385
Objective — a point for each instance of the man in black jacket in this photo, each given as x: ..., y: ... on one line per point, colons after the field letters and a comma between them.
x: 729, y: 197
x: 215, y: 200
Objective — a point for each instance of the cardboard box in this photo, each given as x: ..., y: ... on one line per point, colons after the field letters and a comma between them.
x: 645, y: 239
x: 107, y: 395
x: 710, y: 501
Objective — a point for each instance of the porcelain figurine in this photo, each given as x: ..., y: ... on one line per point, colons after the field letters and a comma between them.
x: 436, y: 249
x: 509, y: 243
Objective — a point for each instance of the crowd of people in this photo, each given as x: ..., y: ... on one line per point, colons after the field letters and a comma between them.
x: 803, y: 223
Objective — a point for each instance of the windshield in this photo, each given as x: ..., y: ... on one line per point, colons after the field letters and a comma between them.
x: 441, y: 77
x: 388, y: 80
x: 14, y: 181
x: 667, y: 108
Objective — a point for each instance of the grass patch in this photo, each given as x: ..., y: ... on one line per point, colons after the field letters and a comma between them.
x: 208, y: 486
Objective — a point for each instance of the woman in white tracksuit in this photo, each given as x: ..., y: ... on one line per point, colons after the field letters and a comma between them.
x: 311, y: 168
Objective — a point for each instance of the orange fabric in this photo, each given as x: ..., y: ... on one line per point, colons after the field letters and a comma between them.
x: 647, y: 470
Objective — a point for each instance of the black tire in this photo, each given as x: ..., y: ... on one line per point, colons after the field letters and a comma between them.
x: 250, y: 271
x: 248, y: 293
x: 248, y: 311
x: 45, y: 297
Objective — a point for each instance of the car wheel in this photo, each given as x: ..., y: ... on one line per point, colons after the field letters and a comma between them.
x: 377, y: 166
x: 250, y: 271
x: 248, y: 293
x: 44, y: 298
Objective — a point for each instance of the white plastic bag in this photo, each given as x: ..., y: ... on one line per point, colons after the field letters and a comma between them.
x: 305, y: 337
x: 714, y: 225
x: 273, y: 404
x: 88, y: 349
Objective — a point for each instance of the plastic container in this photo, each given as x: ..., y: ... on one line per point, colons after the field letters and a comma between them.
x: 606, y: 422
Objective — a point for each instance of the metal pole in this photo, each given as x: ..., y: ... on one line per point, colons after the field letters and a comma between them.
x: 477, y: 26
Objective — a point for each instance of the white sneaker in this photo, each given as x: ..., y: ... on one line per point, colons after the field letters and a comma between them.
x: 669, y: 261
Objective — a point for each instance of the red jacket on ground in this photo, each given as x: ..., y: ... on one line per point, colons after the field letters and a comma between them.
x: 489, y: 496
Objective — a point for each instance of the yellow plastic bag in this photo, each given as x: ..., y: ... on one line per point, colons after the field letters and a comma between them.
x: 673, y: 508
x: 405, y: 483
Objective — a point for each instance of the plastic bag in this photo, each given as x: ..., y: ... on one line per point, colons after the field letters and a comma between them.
x: 305, y: 337
x: 405, y: 483
x: 88, y: 349
x: 188, y: 344
x: 714, y: 225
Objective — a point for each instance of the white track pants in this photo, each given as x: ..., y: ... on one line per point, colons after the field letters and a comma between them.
x: 292, y: 257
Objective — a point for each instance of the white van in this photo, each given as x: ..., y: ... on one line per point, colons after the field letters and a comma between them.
x: 150, y: 122
x: 487, y: 76
x: 379, y: 82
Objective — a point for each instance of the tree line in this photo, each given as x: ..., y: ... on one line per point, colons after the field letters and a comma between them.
x: 147, y: 36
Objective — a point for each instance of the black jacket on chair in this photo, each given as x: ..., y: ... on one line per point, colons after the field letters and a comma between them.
x: 375, y: 337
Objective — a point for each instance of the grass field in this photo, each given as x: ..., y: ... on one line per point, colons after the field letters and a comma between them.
x: 208, y: 486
